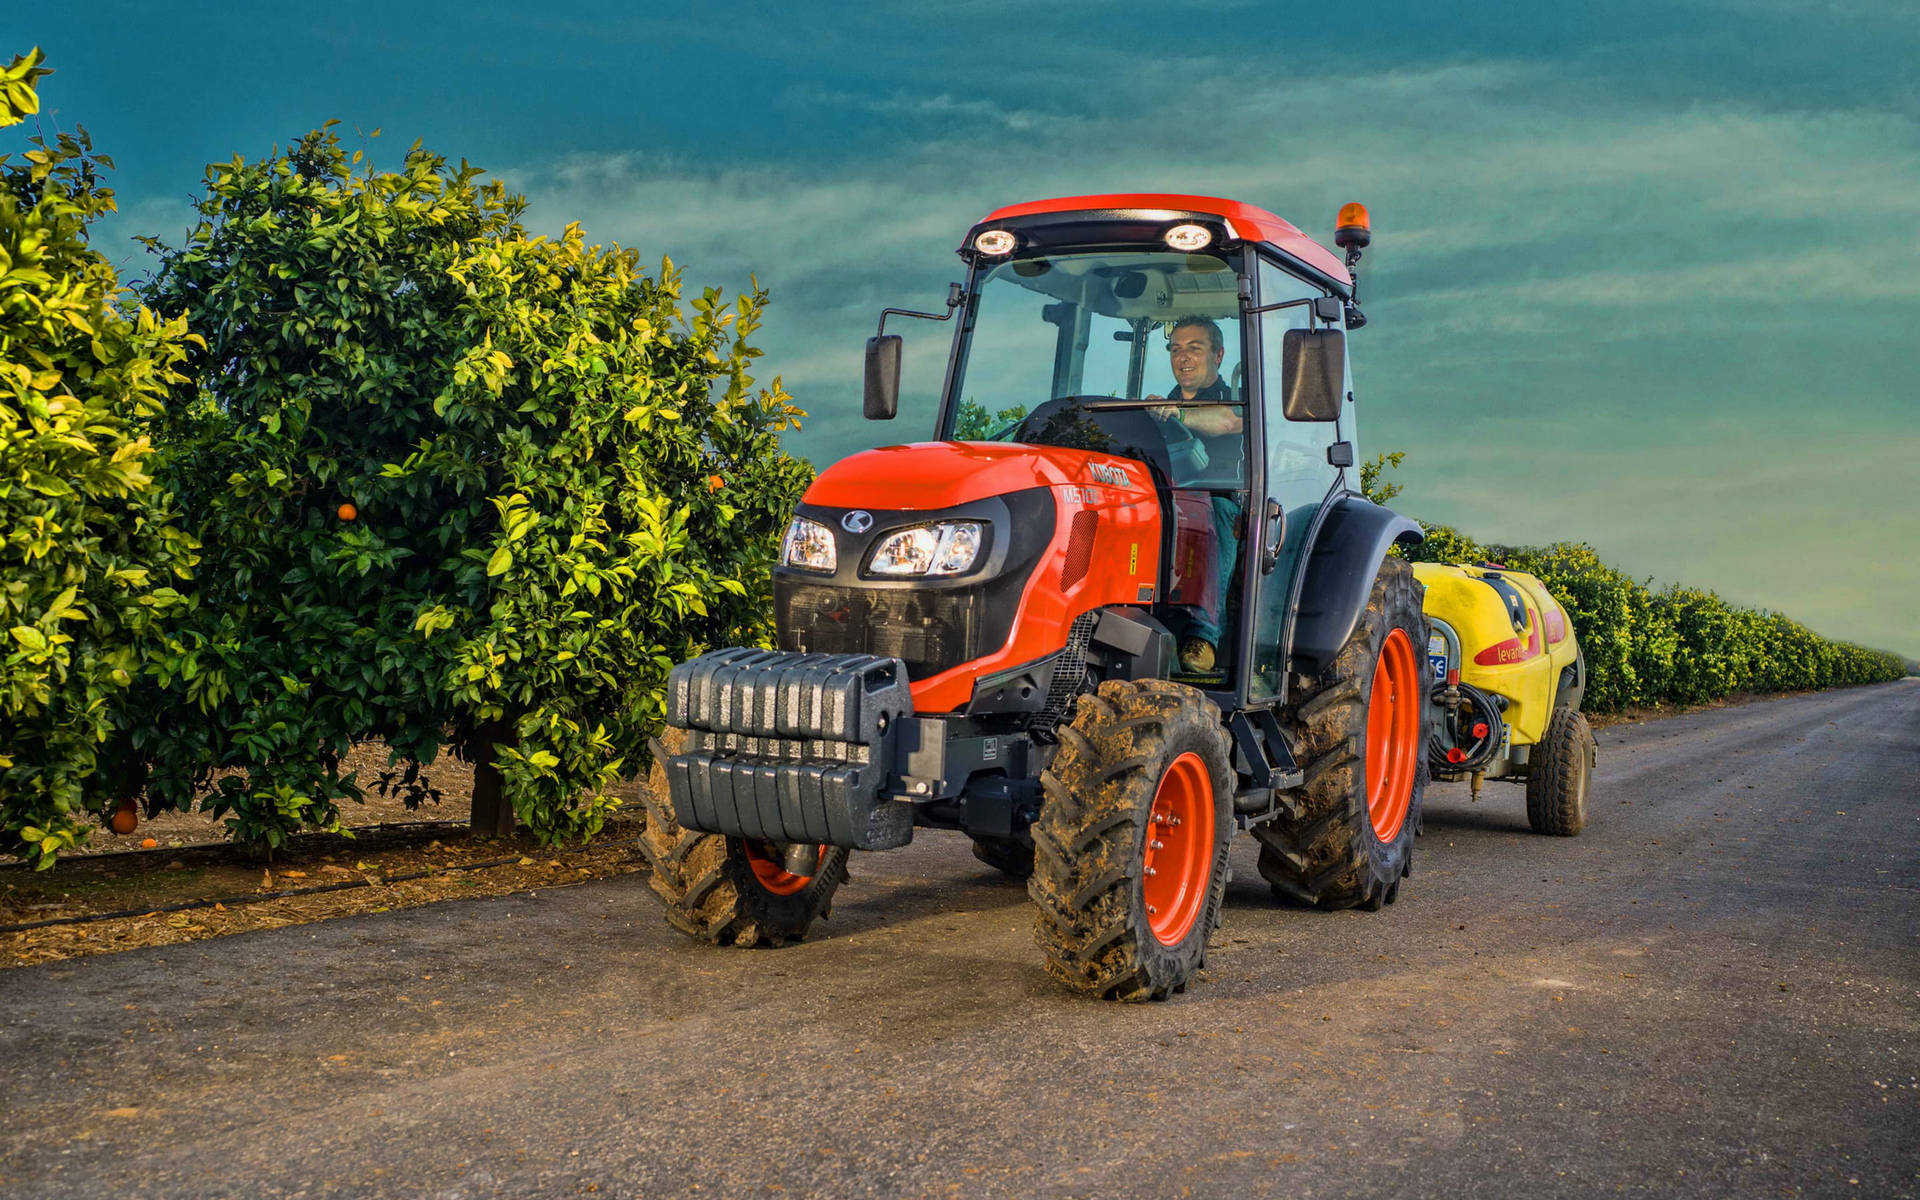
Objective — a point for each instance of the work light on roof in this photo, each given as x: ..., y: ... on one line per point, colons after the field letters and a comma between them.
x: 1189, y: 238
x: 995, y: 242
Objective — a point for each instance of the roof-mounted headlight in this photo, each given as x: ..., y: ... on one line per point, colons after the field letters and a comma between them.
x: 1189, y: 238
x: 995, y: 242
x: 947, y: 548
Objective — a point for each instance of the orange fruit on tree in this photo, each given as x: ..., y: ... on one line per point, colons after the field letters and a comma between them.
x: 125, y: 818
x: 347, y: 512
x: 715, y: 483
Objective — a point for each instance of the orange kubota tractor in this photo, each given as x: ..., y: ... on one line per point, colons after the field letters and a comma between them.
x: 1097, y: 639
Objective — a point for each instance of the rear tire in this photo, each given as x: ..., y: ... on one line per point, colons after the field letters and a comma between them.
x: 1345, y: 838
x: 1130, y: 847
x: 1557, y: 780
x: 727, y: 890
x: 1011, y: 856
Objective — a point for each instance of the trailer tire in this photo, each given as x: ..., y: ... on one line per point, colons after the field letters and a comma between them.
x: 1345, y: 835
x: 1010, y: 856
x: 1130, y: 845
x: 727, y: 890
x: 1557, y: 779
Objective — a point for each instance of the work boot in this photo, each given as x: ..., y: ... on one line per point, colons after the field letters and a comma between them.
x: 1196, y: 655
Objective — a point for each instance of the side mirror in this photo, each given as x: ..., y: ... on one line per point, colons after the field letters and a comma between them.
x: 882, y: 400
x: 1312, y: 374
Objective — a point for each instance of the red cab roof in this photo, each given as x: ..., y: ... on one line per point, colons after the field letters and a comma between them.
x: 1253, y: 224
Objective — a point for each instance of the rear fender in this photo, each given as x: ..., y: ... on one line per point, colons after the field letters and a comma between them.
x: 1346, y: 555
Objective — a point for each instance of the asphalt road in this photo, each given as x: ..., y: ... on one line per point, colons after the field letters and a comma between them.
x: 1714, y: 992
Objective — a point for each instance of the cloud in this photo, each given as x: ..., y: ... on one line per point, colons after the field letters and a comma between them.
x: 943, y: 107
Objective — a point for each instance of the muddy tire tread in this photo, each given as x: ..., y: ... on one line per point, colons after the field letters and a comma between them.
x: 1557, y: 785
x: 708, y: 888
x: 1087, y: 864
x: 1322, y: 851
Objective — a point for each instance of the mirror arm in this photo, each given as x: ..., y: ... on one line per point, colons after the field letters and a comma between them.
x: 1276, y: 307
x: 956, y: 295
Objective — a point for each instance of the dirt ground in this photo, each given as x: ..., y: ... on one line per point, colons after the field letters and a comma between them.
x: 191, y: 883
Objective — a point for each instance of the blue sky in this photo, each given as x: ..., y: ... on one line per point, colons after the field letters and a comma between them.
x: 1645, y: 275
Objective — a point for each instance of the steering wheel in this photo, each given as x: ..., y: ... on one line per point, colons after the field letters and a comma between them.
x: 1170, y: 449
x: 1186, y: 453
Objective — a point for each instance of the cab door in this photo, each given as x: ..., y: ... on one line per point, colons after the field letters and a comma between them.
x: 1298, y: 477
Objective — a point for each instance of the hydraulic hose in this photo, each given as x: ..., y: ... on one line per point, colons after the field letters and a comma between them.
x: 1479, y: 751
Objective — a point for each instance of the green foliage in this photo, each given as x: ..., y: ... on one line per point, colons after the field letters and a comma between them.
x: 87, y: 548
x: 1676, y: 646
x: 560, y: 485
x: 1372, y: 484
x: 972, y: 423
x: 19, y: 87
x: 1445, y: 544
x: 1679, y: 645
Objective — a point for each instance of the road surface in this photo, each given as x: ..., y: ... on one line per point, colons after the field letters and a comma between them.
x: 1713, y: 992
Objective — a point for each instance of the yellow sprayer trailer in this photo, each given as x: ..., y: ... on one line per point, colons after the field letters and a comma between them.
x: 1507, y: 679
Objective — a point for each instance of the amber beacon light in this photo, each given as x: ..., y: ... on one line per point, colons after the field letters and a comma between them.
x: 1353, y: 228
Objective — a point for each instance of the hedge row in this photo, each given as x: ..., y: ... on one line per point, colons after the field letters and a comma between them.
x: 1675, y: 645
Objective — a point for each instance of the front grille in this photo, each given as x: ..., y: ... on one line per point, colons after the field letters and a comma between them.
x: 931, y: 631
x: 1069, y: 675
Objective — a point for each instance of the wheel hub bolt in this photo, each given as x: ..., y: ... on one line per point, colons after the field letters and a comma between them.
x: 1151, y: 871
x: 1157, y: 845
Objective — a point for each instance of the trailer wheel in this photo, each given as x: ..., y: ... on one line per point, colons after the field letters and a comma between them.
x: 1130, y: 847
x: 726, y: 890
x: 1557, y: 779
x: 1008, y: 855
x: 1345, y: 838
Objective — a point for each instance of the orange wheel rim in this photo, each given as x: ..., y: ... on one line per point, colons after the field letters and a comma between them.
x: 1179, y: 850
x: 1393, y: 735
x: 770, y: 868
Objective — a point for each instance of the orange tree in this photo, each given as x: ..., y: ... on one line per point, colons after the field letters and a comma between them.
x: 458, y: 486
x: 87, y: 551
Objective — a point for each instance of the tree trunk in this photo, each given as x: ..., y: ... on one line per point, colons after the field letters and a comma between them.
x: 492, y: 814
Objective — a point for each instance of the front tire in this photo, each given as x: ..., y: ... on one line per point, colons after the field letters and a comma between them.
x: 1345, y: 838
x: 1557, y: 780
x: 727, y: 890
x: 1130, y: 847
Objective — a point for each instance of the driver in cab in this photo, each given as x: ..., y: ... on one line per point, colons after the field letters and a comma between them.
x: 1195, y: 349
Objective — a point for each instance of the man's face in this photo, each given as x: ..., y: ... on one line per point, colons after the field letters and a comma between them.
x: 1196, y: 364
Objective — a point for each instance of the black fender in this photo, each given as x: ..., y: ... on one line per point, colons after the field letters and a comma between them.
x: 1572, y: 688
x: 1347, y: 550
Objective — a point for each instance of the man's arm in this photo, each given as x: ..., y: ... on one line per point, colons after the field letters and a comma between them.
x: 1214, y: 420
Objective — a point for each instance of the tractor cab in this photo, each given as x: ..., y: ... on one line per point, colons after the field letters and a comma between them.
x: 1200, y: 338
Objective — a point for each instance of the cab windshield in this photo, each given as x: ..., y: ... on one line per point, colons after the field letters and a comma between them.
x: 1057, y: 337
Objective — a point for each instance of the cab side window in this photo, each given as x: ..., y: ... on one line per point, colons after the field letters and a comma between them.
x: 1298, y: 474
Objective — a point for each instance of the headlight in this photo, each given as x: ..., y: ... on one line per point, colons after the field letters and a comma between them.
x: 944, y: 549
x: 809, y: 546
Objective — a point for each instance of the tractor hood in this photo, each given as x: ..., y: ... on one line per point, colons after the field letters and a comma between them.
x: 937, y: 475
